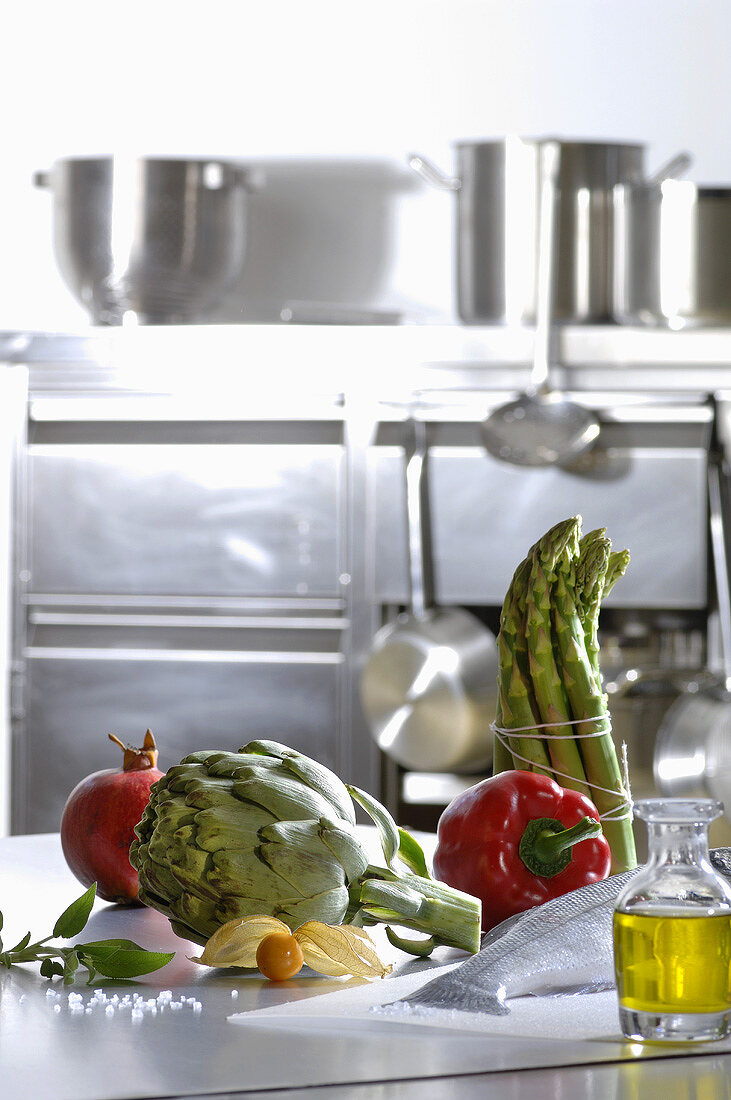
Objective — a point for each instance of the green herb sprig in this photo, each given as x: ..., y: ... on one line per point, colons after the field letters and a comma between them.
x: 110, y: 958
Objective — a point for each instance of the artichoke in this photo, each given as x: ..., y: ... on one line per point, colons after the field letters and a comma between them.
x: 269, y: 831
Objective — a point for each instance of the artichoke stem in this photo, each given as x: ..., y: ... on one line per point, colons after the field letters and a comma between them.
x: 451, y: 917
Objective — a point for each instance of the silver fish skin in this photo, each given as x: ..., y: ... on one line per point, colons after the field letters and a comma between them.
x: 562, y: 946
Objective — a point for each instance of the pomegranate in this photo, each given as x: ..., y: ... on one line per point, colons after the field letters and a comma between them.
x: 98, y: 820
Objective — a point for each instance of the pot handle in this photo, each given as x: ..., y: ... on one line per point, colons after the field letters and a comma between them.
x: 433, y: 175
x: 675, y: 167
x: 42, y: 179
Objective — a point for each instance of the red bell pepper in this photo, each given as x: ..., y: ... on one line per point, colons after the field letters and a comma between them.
x: 509, y: 841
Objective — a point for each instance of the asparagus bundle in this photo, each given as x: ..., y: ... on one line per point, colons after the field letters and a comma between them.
x: 549, y: 679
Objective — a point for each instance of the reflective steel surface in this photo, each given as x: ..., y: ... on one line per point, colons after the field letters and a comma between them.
x: 75, y: 1055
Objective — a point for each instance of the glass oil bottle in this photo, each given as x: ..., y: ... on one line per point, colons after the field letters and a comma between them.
x: 672, y: 930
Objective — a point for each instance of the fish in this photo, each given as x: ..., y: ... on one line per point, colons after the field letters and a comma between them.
x: 562, y: 946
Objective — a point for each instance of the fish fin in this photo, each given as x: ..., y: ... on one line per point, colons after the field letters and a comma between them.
x: 440, y: 997
x: 577, y: 990
x: 488, y: 1004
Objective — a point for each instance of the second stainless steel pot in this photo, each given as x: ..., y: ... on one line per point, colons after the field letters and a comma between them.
x: 498, y: 189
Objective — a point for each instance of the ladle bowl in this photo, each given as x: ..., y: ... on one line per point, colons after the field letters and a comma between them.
x: 544, y: 429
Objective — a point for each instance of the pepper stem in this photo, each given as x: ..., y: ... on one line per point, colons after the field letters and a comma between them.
x: 546, y: 845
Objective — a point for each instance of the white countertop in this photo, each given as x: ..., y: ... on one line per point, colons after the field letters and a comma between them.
x: 89, y: 1056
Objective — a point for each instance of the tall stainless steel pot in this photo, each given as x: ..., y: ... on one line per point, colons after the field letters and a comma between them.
x: 497, y: 188
x: 672, y: 259
x: 153, y: 237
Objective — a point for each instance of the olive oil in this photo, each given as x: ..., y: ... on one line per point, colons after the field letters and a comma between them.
x: 671, y: 963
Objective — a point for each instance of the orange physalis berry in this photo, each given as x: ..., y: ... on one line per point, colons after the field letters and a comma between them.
x: 279, y: 956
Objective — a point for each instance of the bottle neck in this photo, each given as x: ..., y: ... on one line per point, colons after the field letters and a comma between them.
x: 677, y: 844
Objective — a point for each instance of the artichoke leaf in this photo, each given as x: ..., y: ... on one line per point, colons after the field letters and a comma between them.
x: 243, y: 874
x: 387, y: 827
x: 313, y: 774
x: 172, y: 815
x: 329, y: 907
x: 215, y: 828
x: 204, y: 756
x: 242, y: 765
x: 305, y: 872
x: 234, y: 908
x: 206, y: 793
x: 158, y: 880
x: 197, y: 913
x: 284, y: 797
x: 346, y: 847
x: 175, y: 778
x: 322, y: 837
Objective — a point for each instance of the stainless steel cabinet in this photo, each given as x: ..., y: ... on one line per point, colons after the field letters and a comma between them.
x: 185, y: 575
x: 211, y: 526
x: 187, y: 518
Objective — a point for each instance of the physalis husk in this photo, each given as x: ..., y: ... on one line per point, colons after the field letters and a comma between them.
x: 335, y: 950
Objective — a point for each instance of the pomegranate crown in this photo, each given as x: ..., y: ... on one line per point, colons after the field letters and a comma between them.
x: 137, y: 760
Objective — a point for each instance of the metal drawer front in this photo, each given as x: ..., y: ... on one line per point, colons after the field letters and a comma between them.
x: 222, y: 701
x: 486, y: 515
x: 194, y: 519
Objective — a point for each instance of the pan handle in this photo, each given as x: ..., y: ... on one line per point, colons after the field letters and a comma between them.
x: 421, y: 583
x: 673, y: 168
x: 717, y: 527
x: 433, y: 175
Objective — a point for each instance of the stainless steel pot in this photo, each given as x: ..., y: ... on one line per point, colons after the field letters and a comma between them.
x: 672, y: 254
x: 429, y: 685
x: 498, y: 192
x: 159, y: 239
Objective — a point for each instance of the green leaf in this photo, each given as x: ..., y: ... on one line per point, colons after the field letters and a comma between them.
x: 70, y: 968
x: 86, y: 961
x: 123, y: 958
x: 73, y: 919
x: 421, y: 948
x: 22, y: 944
x: 382, y: 819
x: 49, y: 967
x: 1, y: 920
x: 411, y: 853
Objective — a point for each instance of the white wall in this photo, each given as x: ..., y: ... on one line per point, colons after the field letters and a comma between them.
x: 256, y: 79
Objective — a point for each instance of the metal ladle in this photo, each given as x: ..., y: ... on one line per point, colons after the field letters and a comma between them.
x: 541, y: 427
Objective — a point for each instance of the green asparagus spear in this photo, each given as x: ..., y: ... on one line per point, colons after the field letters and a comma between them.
x: 591, y: 570
x: 517, y: 708
x: 548, y: 686
x: 588, y: 704
x: 616, y: 568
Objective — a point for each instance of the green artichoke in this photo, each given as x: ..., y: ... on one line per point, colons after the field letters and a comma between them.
x: 270, y: 831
